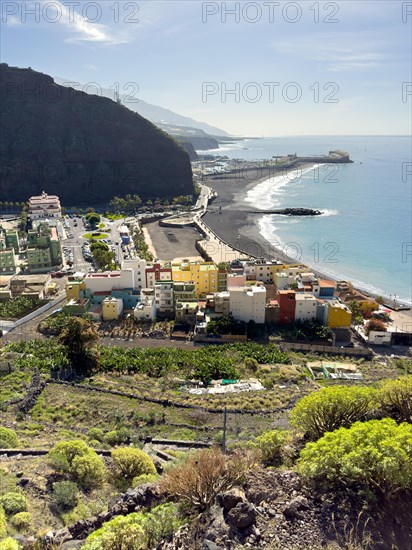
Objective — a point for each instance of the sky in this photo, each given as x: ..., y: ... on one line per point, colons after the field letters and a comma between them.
x: 251, y: 68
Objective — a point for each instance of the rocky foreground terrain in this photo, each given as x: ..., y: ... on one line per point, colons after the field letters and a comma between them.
x: 271, y: 509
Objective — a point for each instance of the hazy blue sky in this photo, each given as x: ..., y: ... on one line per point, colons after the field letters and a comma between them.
x: 297, y: 68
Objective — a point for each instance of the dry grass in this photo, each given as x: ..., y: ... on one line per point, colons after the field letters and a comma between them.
x: 203, y: 475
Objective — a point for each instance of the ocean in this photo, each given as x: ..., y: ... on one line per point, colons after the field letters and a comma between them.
x: 365, y: 233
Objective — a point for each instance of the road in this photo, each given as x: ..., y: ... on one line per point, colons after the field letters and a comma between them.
x: 28, y: 331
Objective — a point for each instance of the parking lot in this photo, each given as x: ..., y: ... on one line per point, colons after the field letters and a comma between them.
x: 76, y: 249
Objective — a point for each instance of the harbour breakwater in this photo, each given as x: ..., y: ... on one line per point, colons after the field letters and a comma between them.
x: 289, y: 212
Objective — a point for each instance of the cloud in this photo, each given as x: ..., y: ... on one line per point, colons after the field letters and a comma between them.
x: 84, y: 30
x: 12, y: 21
x: 335, y: 51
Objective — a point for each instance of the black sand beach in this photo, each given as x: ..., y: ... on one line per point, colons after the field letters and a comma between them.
x: 229, y: 215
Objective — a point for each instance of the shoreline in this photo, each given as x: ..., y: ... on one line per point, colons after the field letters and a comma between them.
x: 229, y: 218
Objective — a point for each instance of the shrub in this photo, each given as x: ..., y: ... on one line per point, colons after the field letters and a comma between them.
x: 203, y: 475
x: 251, y: 364
x: 144, y: 478
x: 3, y: 523
x: 79, y: 461
x: 395, y: 398
x: 161, y: 523
x: 89, y: 470
x: 13, y: 503
x: 375, y: 324
x: 270, y: 446
x: 121, y: 533
x: 64, y: 495
x: 117, y: 437
x: 137, y: 530
x: 8, y: 439
x: 95, y: 434
x: 332, y: 407
x: 9, y: 544
x: 63, y: 453
x: 130, y: 463
x: 375, y: 454
x: 22, y: 521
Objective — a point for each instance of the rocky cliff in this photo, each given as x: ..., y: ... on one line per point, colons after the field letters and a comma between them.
x: 84, y: 148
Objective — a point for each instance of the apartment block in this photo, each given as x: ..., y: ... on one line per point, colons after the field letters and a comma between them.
x: 204, y: 275
x: 44, y: 206
x: 248, y: 303
x: 305, y: 307
x: 164, y: 298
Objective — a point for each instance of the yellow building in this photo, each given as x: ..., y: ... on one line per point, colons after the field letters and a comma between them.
x: 204, y: 275
x: 339, y: 315
x: 367, y: 305
x: 111, y: 308
x: 73, y: 289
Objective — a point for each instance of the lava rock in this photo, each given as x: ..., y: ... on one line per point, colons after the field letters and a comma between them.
x: 292, y: 510
x: 242, y: 516
x: 230, y: 499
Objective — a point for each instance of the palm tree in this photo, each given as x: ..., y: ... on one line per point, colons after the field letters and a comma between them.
x: 79, y: 336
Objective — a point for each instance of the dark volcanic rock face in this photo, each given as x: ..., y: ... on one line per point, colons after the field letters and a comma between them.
x: 84, y: 148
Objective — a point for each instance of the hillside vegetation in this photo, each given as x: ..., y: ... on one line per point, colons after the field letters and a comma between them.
x: 308, y: 465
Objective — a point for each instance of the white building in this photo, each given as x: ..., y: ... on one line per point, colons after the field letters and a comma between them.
x: 138, y: 266
x: 145, y: 310
x: 164, y: 299
x: 44, y: 206
x: 305, y: 307
x: 249, y: 270
x: 109, y: 280
x: 282, y: 280
x: 248, y: 303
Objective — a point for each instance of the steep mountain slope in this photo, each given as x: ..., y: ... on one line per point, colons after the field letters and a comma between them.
x: 84, y: 148
x: 154, y: 113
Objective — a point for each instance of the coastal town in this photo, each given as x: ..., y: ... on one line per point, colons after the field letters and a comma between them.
x: 205, y: 276
x: 53, y: 264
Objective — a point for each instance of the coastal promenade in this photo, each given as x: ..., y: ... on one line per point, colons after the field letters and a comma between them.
x: 213, y: 246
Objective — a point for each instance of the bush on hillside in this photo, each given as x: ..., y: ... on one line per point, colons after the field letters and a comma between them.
x: 64, y: 495
x: 9, y: 544
x: 395, y: 399
x: 79, y: 461
x: 330, y: 408
x: 203, y: 475
x: 3, y: 523
x: 139, y: 531
x: 129, y: 463
x: 270, y: 446
x: 120, y: 436
x: 122, y: 532
x: 161, y: 523
x: 22, y: 521
x: 374, y: 454
x: 13, y: 503
x: 8, y: 439
x: 95, y: 434
x: 62, y: 454
x: 89, y: 470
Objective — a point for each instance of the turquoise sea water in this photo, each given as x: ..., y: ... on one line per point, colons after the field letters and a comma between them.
x: 365, y: 235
